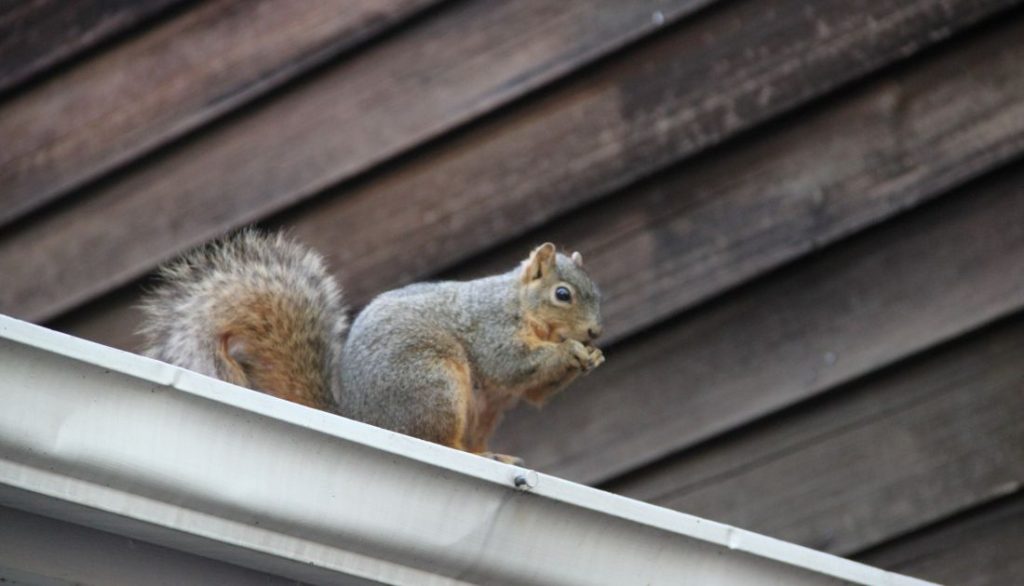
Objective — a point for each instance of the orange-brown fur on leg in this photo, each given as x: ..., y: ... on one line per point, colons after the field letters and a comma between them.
x: 477, y: 416
x: 458, y: 371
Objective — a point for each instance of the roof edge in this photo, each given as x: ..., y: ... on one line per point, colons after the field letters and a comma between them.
x: 131, y: 445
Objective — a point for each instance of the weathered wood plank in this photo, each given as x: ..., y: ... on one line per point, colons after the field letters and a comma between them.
x: 633, y: 107
x: 982, y: 548
x: 112, y: 319
x: 906, y: 137
x: 912, y: 445
x: 438, y: 74
x: 866, y: 303
x: 159, y: 86
x: 734, y: 67
x: 37, y: 34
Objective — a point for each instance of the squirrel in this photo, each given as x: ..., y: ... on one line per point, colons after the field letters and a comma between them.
x: 441, y: 361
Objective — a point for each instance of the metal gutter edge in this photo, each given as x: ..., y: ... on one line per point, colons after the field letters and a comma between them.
x: 129, y: 445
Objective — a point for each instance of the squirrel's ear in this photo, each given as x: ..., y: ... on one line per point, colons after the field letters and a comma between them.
x: 577, y: 258
x: 540, y: 263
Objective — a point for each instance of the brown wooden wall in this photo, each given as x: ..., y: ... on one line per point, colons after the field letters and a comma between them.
x: 807, y: 216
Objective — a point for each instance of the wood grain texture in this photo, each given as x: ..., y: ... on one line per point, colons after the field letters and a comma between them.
x: 446, y: 70
x: 685, y: 236
x: 733, y: 67
x: 864, y: 304
x: 159, y: 86
x: 982, y: 548
x: 112, y: 320
x: 914, y: 444
x: 606, y: 129
x: 37, y: 34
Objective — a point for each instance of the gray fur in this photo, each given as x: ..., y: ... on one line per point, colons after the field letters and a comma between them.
x: 415, y: 329
x: 184, y: 313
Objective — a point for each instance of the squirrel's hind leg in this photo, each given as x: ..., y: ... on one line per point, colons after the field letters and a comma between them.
x: 461, y: 427
x: 460, y: 390
x: 435, y: 406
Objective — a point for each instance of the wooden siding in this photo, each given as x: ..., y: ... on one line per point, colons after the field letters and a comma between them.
x: 38, y: 34
x: 807, y: 218
x: 981, y: 547
x: 204, y: 62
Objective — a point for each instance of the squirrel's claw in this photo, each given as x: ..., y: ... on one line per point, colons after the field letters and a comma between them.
x: 588, y: 357
x: 503, y: 458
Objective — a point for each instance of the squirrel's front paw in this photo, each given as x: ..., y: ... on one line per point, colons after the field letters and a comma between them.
x: 588, y: 357
x: 596, y: 357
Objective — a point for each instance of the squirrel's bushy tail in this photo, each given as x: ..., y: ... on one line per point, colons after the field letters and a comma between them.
x: 258, y: 310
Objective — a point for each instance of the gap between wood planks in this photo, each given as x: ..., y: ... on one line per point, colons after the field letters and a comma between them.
x: 183, y: 73
x: 61, y: 279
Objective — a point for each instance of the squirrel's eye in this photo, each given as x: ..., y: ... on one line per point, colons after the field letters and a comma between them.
x: 563, y: 294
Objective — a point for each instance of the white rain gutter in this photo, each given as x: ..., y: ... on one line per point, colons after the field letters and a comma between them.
x: 131, y: 446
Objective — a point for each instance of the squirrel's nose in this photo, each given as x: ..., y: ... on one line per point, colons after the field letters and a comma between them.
x: 594, y: 332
